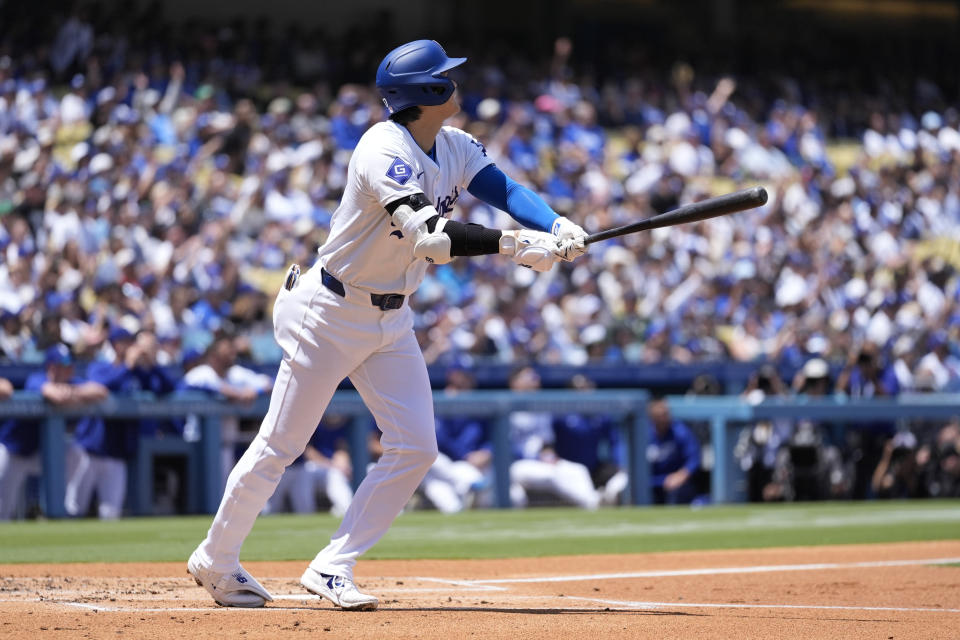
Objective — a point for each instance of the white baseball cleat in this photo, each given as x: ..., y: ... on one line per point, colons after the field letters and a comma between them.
x: 235, y: 588
x: 338, y: 590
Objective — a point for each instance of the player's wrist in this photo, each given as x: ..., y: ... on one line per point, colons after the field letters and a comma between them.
x: 564, y: 227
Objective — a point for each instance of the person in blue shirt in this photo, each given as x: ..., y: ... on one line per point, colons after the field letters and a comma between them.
x: 219, y: 375
x: 324, y: 466
x: 867, y: 375
x: 460, y: 476
x: 594, y: 441
x: 674, y: 456
x: 537, y: 466
x: 107, y: 444
x: 463, y: 437
x: 20, y: 438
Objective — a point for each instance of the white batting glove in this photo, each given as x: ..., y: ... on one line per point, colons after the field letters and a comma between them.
x: 570, y: 237
x: 570, y: 249
x: 535, y: 250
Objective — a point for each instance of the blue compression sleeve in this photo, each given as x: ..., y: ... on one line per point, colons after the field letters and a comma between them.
x: 496, y: 188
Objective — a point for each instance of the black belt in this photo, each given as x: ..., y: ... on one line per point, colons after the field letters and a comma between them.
x: 383, y: 300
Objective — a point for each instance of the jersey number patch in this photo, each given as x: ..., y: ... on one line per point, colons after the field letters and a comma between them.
x: 400, y: 171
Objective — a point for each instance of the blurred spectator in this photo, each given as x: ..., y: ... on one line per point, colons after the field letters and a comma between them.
x: 867, y: 376
x: 705, y: 384
x: 807, y: 467
x: 537, y: 467
x: 897, y: 474
x: 324, y: 466
x: 328, y: 464
x: 14, y: 336
x: 218, y: 374
x: 20, y: 437
x: 144, y: 188
x: 105, y: 445
x: 594, y: 441
x: 787, y: 460
x: 674, y: 456
x: 450, y: 485
x: 758, y: 447
x: 462, y: 470
x: 813, y: 379
x: 169, y: 191
x: 942, y: 458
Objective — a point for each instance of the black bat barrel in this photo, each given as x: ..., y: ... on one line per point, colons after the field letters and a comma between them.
x: 703, y: 210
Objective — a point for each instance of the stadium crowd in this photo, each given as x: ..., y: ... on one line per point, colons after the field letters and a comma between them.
x: 156, y: 183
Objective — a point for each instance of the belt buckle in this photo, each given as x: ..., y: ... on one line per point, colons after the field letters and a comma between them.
x: 391, y: 301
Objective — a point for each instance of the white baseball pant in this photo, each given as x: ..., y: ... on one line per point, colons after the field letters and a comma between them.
x: 14, y: 470
x: 325, y: 338
x: 567, y: 480
x: 448, y: 482
x: 108, y: 476
x: 334, y: 484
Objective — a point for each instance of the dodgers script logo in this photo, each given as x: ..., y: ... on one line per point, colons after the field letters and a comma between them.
x: 445, y: 205
x: 400, y: 171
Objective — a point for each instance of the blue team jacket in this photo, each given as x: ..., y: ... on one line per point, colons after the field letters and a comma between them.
x: 21, y: 436
x: 118, y: 438
x: 678, y: 448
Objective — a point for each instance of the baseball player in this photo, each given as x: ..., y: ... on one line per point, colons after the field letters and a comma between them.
x: 674, y: 456
x: 20, y: 438
x: 348, y: 317
x: 219, y: 374
x: 324, y: 465
x: 107, y: 444
x: 537, y: 467
x: 459, y: 477
x: 593, y: 441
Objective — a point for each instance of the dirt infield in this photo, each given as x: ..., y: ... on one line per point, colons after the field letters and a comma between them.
x: 898, y: 591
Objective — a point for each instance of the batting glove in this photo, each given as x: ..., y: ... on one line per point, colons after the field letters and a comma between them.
x: 535, y: 250
x: 570, y: 238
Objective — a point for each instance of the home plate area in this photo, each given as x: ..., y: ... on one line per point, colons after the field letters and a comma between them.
x: 897, y: 590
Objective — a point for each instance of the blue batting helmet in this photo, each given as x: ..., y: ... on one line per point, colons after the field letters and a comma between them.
x: 410, y: 75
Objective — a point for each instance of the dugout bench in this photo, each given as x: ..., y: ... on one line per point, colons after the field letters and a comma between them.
x: 725, y: 415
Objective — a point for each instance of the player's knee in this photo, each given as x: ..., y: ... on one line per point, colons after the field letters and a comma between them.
x: 423, y: 454
x: 272, y: 457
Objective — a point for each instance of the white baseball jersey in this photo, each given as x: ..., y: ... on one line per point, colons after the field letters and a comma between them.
x: 364, y: 249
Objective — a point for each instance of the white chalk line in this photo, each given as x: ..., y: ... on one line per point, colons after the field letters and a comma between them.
x: 488, y: 585
x: 624, y: 604
x: 720, y: 605
x: 703, y: 572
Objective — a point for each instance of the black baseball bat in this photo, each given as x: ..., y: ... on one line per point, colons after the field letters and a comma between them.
x: 703, y: 210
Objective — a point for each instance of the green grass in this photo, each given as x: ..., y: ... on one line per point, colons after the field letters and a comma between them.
x: 487, y: 534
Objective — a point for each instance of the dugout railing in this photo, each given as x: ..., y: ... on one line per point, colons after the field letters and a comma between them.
x: 724, y: 414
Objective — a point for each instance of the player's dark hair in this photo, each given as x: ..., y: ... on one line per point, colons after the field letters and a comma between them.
x: 406, y: 116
